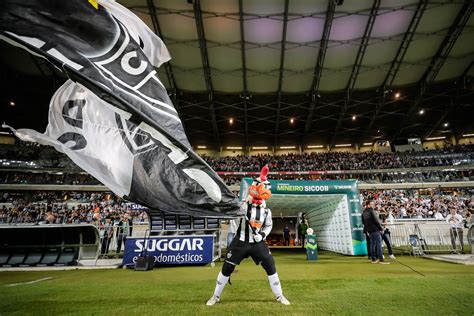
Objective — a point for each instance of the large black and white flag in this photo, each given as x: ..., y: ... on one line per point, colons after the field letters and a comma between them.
x: 114, y: 118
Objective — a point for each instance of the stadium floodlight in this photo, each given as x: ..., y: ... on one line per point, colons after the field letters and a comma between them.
x: 343, y: 145
x: 287, y: 147
x: 468, y: 135
x: 436, y: 138
x: 234, y: 148
x: 316, y: 146
x: 201, y: 147
x: 260, y: 147
x: 367, y: 144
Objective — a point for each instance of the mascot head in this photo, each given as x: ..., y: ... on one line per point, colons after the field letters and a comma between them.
x: 259, y: 191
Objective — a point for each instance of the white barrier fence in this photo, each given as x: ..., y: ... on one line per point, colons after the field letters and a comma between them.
x: 427, y: 236
x: 112, y: 238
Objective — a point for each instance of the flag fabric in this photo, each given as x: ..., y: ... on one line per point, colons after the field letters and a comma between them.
x: 95, y: 49
x: 152, y: 46
x: 114, y: 117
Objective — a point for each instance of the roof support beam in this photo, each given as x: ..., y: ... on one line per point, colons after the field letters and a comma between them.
x: 437, y: 63
x: 157, y: 29
x: 282, y: 65
x: 356, y: 67
x: 206, y: 68
x: 447, y: 110
x: 395, y: 66
x: 453, y: 104
x: 323, y: 46
x: 244, y: 71
x: 318, y: 70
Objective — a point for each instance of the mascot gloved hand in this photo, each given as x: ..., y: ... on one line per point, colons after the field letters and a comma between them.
x: 259, y: 237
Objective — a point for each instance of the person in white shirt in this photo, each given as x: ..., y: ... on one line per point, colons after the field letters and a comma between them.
x: 455, y: 221
x: 403, y: 212
x: 438, y: 215
x: 390, y: 217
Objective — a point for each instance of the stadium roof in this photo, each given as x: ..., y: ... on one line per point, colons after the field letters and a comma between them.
x: 306, y: 72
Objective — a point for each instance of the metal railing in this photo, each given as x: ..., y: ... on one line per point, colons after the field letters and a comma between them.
x: 112, y: 238
x: 427, y: 236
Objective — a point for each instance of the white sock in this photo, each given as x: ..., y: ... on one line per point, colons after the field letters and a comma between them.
x: 220, y: 284
x: 275, y: 284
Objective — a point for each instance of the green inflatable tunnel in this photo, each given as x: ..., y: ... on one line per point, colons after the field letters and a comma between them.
x: 332, y: 207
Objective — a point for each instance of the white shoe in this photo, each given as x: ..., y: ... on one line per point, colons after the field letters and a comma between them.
x: 213, y: 300
x: 283, y: 300
x: 392, y: 257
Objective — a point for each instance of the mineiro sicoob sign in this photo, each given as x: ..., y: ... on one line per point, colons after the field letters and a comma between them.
x: 174, y: 250
x: 323, y: 187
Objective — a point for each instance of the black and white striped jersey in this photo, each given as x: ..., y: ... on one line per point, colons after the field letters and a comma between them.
x: 260, y: 218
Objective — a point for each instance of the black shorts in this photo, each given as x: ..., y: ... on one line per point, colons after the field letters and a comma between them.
x: 239, y: 250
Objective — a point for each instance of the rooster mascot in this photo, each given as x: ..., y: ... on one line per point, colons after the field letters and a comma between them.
x: 249, y: 239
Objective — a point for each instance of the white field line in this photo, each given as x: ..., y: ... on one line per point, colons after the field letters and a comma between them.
x: 29, y: 282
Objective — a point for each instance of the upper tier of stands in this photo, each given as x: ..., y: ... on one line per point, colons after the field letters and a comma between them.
x: 454, y: 155
x: 25, y: 163
x: 22, y: 156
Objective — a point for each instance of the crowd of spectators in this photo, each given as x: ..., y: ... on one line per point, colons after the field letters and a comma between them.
x: 421, y: 204
x: 93, y: 207
x: 426, y: 176
x: 455, y: 155
x: 16, y: 177
x: 65, y: 208
x: 385, y: 177
x: 43, y: 157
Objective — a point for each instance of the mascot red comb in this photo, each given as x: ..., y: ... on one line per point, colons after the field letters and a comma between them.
x: 249, y: 239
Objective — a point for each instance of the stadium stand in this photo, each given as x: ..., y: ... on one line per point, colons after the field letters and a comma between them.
x: 64, y: 208
x: 372, y: 167
x: 94, y: 207
x: 456, y: 155
x: 24, y: 156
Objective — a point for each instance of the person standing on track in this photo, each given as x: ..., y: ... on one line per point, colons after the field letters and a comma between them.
x: 455, y: 220
x: 286, y: 235
x: 373, y: 228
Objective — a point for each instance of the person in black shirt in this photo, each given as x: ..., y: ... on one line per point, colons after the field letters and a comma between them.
x: 374, y: 229
x: 286, y: 235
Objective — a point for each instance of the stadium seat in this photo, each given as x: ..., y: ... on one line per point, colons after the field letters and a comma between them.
x: 16, y: 259
x: 50, y: 257
x: 67, y: 257
x: 4, y: 258
x: 33, y: 258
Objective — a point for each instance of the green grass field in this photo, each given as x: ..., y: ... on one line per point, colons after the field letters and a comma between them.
x: 335, y: 284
